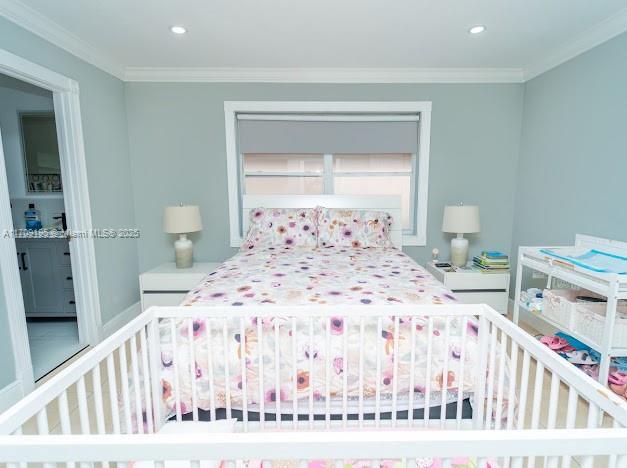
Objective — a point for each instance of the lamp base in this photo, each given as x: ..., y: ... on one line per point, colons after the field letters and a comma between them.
x: 184, y: 252
x: 459, y: 251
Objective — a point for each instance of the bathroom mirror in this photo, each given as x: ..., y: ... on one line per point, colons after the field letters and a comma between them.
x: 40, y: 149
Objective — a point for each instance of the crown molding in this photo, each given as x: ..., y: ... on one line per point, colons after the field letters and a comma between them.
x: 33, y: 21
x: 592, y: 37
x: 326, y: 75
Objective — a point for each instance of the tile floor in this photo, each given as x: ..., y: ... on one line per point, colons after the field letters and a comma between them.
x: 51, y: 343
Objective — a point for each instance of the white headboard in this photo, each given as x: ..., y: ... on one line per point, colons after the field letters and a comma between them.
x: 389, y: 203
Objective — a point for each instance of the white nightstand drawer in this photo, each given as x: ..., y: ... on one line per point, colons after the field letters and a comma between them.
x: 161, y: 299
x: 171, y: 282
x: 463, y: 281
x: 496, y: 300
x: 167, y: 285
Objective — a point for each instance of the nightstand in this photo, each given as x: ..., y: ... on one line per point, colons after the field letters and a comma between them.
x: 167, y: 285
x: 473, y: 287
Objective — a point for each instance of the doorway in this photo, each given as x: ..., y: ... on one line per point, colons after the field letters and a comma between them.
x: 35, y: 184
x: 49, y: 285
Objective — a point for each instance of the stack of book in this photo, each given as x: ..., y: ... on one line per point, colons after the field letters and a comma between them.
x: 491, y: 262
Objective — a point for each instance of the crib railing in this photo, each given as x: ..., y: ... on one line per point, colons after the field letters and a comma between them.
x: 522, y: 393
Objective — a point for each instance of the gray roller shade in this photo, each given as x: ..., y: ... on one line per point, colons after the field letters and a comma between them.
x: 287, y: 136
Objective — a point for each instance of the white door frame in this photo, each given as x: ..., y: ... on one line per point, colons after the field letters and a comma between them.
x: 77, y: 207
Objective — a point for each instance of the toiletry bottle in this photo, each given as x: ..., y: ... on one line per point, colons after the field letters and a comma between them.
x: 32, y: 217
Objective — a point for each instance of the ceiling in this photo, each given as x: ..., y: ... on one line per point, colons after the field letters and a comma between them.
x: 522, y: 36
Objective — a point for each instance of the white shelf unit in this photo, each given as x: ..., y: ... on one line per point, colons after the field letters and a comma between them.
x: 610, y: 285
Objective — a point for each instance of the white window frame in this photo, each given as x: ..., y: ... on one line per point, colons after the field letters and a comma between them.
x: 423, y: 108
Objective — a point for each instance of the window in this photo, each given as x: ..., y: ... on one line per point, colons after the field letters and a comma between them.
x: 330, y: 148
x: 342, y: 174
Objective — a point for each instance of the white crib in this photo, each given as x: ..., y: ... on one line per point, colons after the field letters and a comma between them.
x: 73, y: 418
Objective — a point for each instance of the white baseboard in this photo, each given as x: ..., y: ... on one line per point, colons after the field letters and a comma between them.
x: 121, y: 319
x: 10, y: 394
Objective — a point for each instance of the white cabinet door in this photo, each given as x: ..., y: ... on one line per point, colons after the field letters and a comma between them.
x: 46, y: 289
x: 40, y: 259
x: 27, y: 285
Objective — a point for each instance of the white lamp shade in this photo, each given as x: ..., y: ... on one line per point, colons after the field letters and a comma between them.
x: 181, y: 219
x: 462, y: 219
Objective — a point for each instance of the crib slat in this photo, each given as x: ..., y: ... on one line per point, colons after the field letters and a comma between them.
x: 43, y: 429
x: 553, y: 401
x: 327, y: 372
x: 511, y: 396
x: 377, y: 415
x: 571, y: 415
x: 137, y: 386
x: 345, y: 330
x: 412, y: 371
x: 361, y: 371
x: 212, y: 390
x: 42, y: 422
x: 244, y: 370
x: 175, y: 370
x: 146, y: 378
x: 260, y: 352
x: 551, y: 462
x: 82, y: 405
x: 537, y: 395
x: 395, y: 368
x: 462, y: 376
x: 277, y: 372
x: 125, y: 390
x: 444, y: 385
x: 492, y: 375
x: 311, y: 372
x: 98, y: 403
x: 482, y: 359
x: 524, y: 385
x: 537, y: 402
x: 592, y: 423
x: 427, y: 403
x: 294, y: 376
x: 64, y: 414
x: 500, y: 389
x: 227, y: 372
x: 113, y: 395
x: 192, y: 367
x: 154, y: 356
x: 613, y: 459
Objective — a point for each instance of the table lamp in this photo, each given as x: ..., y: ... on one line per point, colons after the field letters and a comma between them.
x: 460, y: 220
x: 182, y: 220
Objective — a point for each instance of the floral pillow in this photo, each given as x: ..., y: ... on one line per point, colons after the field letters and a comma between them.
x: 282, y: 228
x: 353, y: 228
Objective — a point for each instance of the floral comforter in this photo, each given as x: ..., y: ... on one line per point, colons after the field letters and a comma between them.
x: 296, y: 277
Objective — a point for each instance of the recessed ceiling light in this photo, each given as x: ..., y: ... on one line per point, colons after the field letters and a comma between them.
x: 178, y: 29
x: 478, y: 29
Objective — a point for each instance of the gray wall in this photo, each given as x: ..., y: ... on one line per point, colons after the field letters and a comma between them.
x: 573, y: 163
x: 177, y: 142
x: 106, y: 147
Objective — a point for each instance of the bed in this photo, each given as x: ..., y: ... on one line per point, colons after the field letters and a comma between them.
x: 302, y: 278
